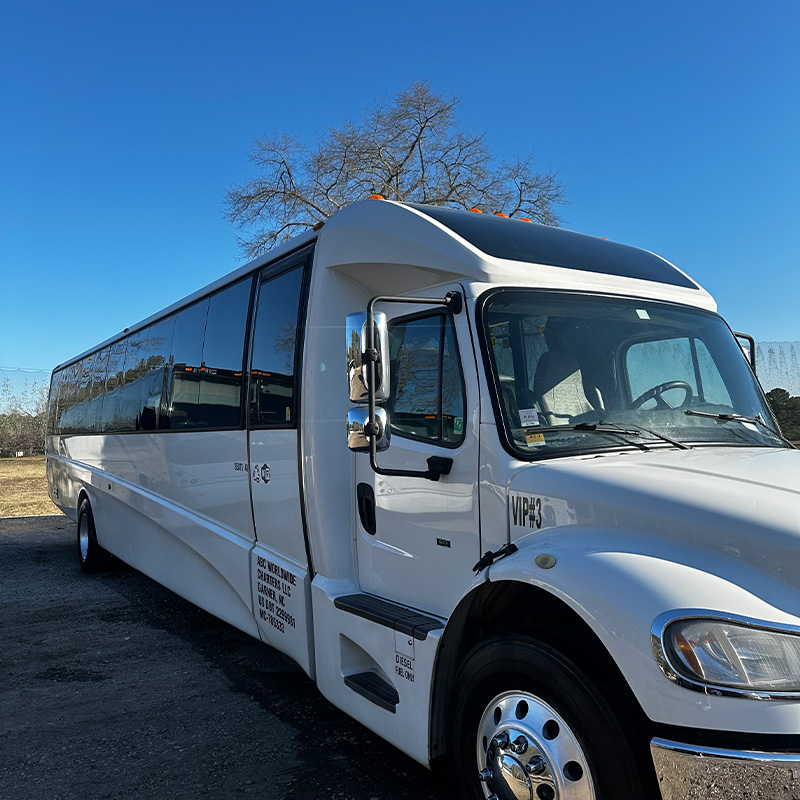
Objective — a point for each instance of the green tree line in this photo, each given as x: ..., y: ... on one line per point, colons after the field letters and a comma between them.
x: 787, y: 410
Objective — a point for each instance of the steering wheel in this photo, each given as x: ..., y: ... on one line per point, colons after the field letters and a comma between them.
x: 657, y: 391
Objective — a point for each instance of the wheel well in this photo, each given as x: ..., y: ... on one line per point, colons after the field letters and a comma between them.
x: 509, y: 607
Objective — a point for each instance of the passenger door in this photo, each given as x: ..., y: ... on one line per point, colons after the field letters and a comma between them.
x: 280, y: 575
x: 426, y: 537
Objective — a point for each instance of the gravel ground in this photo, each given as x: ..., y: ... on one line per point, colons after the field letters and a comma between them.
x: 113, y: 687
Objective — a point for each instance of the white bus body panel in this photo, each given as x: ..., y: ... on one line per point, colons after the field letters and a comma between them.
x: 351, y: 645
x: 636, y: 535
x: 282, y: 605
x: 161, y: 506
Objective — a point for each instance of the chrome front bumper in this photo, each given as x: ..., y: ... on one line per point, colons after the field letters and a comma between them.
x: 686, y: 772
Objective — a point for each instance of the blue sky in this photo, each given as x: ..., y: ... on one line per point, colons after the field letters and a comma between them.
x: 674, y: 127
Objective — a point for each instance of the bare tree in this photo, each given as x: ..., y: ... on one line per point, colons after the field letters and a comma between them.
x: 410, y: 148
x: 23, y: 419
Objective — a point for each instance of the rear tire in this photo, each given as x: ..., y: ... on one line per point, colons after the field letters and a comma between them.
x: 91, y: 556
x: 528, y: 722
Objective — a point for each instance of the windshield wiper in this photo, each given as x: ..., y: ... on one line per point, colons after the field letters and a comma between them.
x: 662, y: 436
x: 586, y: 427
x: 757, y: 420
x: 592, y: 427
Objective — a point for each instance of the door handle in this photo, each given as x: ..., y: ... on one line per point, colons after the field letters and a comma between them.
x: 365, y: 496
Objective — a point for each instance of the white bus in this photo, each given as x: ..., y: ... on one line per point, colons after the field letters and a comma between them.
x: 546, y: 536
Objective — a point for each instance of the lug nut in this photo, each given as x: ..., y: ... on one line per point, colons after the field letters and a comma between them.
x: 502, y: 740
x: 536, y: 766
x: 519, y: 745
x: 485, y: 775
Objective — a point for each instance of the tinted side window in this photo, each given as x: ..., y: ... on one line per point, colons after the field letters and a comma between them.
x: 99, y: 384
x: 157, y: 346
x: 52, y: 403
x: 92, y: 416
x: 272, y: 362
x: 183, y: 395
x: 223, y: 356
x: 427, y: 398
x: 82, y: 413
x: 115, y: 380
x: 131, y: 398
x: 68, y: 417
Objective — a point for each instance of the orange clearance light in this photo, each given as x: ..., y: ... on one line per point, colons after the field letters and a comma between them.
x: 687, y: 651
x: 317, y: 225
x: 604, y: 238
x: 525, y: 219
x: 501, y: 214
x: 476, y: 210
x: 376, y: 197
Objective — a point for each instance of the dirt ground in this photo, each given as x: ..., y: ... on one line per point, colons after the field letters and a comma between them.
x: 23, y: 487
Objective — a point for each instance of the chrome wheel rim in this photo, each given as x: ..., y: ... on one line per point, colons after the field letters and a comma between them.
x: 527, y: 751
x: 83, y: 537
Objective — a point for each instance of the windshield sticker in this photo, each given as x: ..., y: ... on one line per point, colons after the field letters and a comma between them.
x: 528, y: 417
x: 642, y: 313
x: 458, y: 425
x: 534, y: 439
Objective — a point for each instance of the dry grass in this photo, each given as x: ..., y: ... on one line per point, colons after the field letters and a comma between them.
x: 23, y: 487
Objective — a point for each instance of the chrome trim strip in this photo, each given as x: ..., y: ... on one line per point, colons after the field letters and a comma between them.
x: 671, y: 673
x: 688, y: 771
x: 721, y: 752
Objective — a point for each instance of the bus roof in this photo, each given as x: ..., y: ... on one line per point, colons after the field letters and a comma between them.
x: 392, y: 247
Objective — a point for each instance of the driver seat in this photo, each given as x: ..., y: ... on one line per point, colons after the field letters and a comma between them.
x: 559, y: 390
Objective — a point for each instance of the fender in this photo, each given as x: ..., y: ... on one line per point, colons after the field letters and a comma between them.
x: 619, y: 582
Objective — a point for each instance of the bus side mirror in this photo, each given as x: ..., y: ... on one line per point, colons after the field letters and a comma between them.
x: 357, y: 365
x: 748, y: 345
x: 357, y: 430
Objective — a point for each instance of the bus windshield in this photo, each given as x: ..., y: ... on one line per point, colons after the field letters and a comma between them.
x: 575, y: 372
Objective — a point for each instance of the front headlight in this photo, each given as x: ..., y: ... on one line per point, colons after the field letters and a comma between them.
x: 728, y: 654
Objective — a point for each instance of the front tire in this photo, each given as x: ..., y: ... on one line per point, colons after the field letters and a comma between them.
x: 529, y: 723
x: 91, y: 556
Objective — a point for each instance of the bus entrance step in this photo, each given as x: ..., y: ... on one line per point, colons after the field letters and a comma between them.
x: 375, y: 689
x: 388, y: 614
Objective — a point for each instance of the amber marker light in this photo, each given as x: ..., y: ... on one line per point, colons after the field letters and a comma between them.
x: 476, y: 211
x: 376, y: 197
x: 687, y: 651
x: 525, y: 219
x: 501, y: 214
